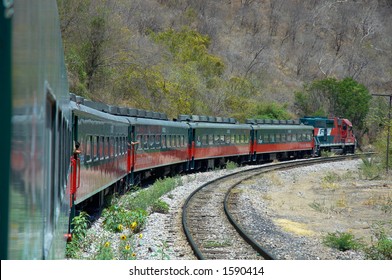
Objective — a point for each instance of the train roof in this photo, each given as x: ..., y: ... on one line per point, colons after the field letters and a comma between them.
x: 118, y: 110
x: 86, y: 110
x: 133, y: 116
x: 283, y: 127
x: 219, y: 125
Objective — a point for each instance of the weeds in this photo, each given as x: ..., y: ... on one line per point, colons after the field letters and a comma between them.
x: 160, y: 206
x: 105, y: 252
x: 327, y: 154
x: 330, y: 180
x: 230, y: 165
x: 146, y: 197
x: 125, y: 214
x: 343, y: 241
x: 80, y: 225
x: 163, y: 252
x: 370, y: 168
x: 381, y: 249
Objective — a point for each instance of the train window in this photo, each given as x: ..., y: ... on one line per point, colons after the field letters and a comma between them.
x: 168, y: 141
x: 198, y: 141
x: 102, y: 147
x: 232, y: 140
x: 89, y: 143
x: 227, y: 139
x: 152, y: 141
x: 93, y: 148
x: 158, y: 141
x: 107, y: 147
x: 288, y: 137
x: 145, y: 142
x: 277, y: 138
x: 272, y: 138
x: 112, y: 147
x: 139, y: 139
x: 204, y: 139
x: 163, y: 141
x: 294, y: 137
x: 114, y: 139
x: 246, y: 138
x: 120, y: 145
x: 182, y: 140
x: 260, y: 139
x: 210, y: 139
x: 173, y: 141
x: 266, y: 140
x: 96, y: 148
x: 283, y: 138
x: 216, y: 139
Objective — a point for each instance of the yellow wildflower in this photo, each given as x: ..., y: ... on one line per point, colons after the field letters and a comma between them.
x: 120, y: 227
x: 123, y: 237
x: 107, y: 244
x: 141, y: 235
x: 127, y: 247
x: 133, y: 225
x: 133, y: 254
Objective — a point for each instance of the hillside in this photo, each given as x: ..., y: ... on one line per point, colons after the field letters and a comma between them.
x: 119, y: 51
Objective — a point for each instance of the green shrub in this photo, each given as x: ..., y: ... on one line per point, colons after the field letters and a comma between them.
x: 146, y: 197
x: 342, y: 241
x: 116, y: 218
x: 80, y: 225
x: 160, y: 206
x: 105, y: 252
x: 381, y: 249
x: 230, y: 165
x: 370, y: 168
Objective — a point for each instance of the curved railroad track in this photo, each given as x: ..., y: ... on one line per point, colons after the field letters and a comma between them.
x: 208, y: 215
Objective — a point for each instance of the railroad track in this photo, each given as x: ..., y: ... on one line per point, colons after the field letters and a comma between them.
x: 208, y: 215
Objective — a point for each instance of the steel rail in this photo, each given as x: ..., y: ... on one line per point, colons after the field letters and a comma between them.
x: 263, y: 168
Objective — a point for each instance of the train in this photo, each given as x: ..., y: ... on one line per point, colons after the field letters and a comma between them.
x: 65, y: 153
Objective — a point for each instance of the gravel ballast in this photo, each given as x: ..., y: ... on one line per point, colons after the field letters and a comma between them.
x: 275, y: 207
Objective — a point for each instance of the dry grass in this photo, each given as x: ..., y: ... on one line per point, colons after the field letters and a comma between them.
x: 294, y: 227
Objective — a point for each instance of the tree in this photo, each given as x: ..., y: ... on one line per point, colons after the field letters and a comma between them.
x: 346, y: 98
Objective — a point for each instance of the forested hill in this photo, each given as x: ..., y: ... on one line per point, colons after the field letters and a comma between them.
x: 240, y: 58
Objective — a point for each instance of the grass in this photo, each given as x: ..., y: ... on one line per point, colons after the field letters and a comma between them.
x: 371, y: 168
x: 380, y: 201
x: 330, y: 180
x: 144, y: 198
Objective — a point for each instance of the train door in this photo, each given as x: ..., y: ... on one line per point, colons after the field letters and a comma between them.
x: 191, y: 148
x: 49, y: 170
x: 253, y: 145
x: 132, y: 145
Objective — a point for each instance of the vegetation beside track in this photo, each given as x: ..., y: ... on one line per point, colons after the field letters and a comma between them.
x: 125, y: 216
